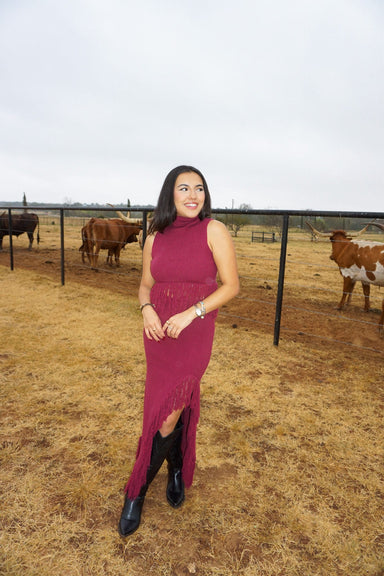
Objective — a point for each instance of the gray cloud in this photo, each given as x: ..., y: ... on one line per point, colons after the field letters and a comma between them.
x: 280, y: 104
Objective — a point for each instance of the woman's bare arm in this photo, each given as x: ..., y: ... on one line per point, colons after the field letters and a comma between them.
x: 152, y: 324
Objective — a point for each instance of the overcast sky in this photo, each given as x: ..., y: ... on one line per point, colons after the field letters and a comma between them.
x: 279, y: 103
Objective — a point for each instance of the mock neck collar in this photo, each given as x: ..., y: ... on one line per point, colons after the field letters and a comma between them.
x: 184, y: 221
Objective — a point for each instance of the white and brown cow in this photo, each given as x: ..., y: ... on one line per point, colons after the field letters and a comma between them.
x: 358, y: 261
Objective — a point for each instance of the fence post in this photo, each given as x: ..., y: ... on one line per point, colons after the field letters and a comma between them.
x: 10, y: 237
x: 62, y: 245
x: 145, y: 226
x: 280, y: 288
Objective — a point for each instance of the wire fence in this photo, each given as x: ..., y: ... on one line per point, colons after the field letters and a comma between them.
x: 290, y: 290
x: 316, y: 305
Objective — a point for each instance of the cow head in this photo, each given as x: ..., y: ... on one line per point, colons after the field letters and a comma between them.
x: 131, y: 232
x: 330, y: 235
x: 336, y: 237
x: 131, y: 238
x: 339, y: 236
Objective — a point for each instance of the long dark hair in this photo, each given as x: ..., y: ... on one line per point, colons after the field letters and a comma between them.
x: 165, y: 211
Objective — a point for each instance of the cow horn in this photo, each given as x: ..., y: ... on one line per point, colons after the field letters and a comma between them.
x: 353, y: 235
x: 129, y: 220
x: 378, y: 224
x: 316, y: 232
x: 350, y: 234
x: 119, y: 213
x: 127, y: 217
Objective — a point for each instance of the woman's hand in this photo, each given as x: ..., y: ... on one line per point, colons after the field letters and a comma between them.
x: 176, y: 324
x: 152, y: 324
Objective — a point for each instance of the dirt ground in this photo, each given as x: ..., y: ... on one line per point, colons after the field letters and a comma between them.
x: 313, y: 286
x: 289, y: 477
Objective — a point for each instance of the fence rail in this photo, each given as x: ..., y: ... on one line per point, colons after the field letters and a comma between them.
x: 50, y: 213
x: 263, y: 236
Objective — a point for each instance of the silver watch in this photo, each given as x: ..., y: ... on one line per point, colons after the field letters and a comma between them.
x: 199, y: 312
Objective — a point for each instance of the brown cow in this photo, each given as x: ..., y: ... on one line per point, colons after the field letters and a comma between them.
x: 110, y: 234
x: 116, y: 252
x: 85, y: 248
x: 128, y: 219
x: 358, y: 260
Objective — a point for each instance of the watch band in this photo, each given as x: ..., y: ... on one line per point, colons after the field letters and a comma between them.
x: 199, y: 312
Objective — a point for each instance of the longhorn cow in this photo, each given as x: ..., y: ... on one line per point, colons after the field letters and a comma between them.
x: 136, y: 221
x: 110, y: 234
x: 358, y: 260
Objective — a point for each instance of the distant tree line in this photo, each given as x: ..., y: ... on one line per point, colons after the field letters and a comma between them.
x: 88, y: 210
x: 234, y: 222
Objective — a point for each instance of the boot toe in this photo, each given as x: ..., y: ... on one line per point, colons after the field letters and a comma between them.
x: 130, y: 516
x: 175, y: 489
x: 175, y: 499
x: 127, y: 527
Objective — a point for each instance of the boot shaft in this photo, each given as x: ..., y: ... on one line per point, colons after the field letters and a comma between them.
x: 161, y: 447
x: 174, y: 456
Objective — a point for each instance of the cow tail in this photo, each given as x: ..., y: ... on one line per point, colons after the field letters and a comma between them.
x: 38, y: 231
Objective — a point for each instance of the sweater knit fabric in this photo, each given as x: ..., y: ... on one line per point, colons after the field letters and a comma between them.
x: 184, y: 272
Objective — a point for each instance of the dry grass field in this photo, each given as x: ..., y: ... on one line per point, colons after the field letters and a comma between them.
x: 290, y: 468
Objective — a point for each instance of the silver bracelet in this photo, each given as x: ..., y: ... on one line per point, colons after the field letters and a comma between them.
x: 200, y: 311
x: 203, y: 307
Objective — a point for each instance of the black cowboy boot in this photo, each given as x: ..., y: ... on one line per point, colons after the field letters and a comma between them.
x: 131, y: 513
x: 175, y: 487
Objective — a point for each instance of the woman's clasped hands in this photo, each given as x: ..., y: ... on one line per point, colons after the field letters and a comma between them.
x: 172, y: 327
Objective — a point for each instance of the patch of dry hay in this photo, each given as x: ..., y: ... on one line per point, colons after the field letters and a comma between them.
x: 289, y: 479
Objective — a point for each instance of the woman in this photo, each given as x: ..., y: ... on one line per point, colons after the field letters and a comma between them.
x: 179, y: 297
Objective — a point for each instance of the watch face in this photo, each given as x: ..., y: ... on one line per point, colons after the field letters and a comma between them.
x: 198, y: 311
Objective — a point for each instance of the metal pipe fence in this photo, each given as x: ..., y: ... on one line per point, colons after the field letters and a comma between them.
x: 62, y: 215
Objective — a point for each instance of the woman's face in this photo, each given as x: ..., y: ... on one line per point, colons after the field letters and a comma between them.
x: 189, y: 194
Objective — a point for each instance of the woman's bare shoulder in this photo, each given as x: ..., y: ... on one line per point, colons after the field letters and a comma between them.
x: 217, y: 228
x: 149, y: 242
x: 217, y: 232
x: 216, y: 225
